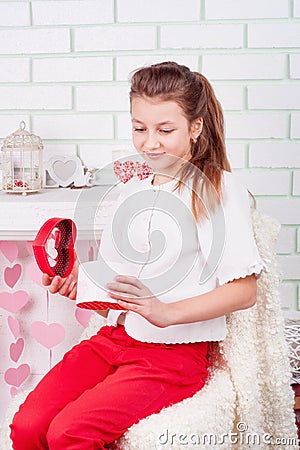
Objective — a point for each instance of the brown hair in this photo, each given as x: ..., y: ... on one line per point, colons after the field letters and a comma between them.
x: 169, y: 81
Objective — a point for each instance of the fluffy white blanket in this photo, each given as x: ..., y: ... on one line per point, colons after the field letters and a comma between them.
x: 247, y: 401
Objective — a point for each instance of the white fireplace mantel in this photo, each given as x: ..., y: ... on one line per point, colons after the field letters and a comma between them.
x: 22, y: 216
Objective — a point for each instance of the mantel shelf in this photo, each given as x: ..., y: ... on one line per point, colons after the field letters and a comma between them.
x: 22, y: 216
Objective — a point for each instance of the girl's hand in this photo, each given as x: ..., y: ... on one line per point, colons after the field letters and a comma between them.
x: 133, y: 295
x: 64, y: 286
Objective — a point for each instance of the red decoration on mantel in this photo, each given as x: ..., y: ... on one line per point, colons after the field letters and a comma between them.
x: 125, y: 171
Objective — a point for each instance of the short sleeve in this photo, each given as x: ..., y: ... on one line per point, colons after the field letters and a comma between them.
x: 240, y: 256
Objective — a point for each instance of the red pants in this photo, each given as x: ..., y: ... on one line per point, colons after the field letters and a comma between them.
x: 102, y: 387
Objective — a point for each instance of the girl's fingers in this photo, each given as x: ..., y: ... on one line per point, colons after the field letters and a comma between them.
x: 126, y: 298
x: 55, y: 284
x: 124, y: 288
x: 133, y: 281
x: 72, y: 295
x: 67, y: 285
x: 46, y: 279
x: 130, y: 306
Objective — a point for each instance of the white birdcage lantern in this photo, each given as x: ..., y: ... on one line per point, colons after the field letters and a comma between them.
x: 22, y: 162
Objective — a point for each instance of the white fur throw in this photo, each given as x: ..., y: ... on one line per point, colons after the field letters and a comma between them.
x: 249, y: 385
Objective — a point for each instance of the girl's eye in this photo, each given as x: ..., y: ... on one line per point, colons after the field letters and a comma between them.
x: 166, y: 130
x: 138, y: 129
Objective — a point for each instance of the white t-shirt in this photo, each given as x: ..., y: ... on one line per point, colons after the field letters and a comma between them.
x: 152, y: 234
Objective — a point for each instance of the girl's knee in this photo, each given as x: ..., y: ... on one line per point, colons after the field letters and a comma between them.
x: 63, y: 434
x: 27, y: 431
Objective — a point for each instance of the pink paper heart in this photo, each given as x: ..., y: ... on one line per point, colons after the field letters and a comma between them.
x: 16, y: 349
x: 34, y: 273
x: 48, y: 335
x: 12, y: 275
x: 15, y: 377
x: 13, y: 391
x: 13, y: 302
x: 14, y: 326
x: 83, y: 316
x: 9, y: 249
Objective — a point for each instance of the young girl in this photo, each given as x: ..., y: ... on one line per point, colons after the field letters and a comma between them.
x: 154, y: 352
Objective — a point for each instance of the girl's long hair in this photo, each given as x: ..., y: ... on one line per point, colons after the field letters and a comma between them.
x: 169, y: 81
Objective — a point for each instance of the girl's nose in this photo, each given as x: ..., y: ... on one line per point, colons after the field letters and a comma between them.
x: 152, y: 141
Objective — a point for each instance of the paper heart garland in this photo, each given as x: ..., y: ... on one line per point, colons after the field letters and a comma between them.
x: 125, y: 171
x: 34, y: 273
x: 13, y: 302
x: 12, y: 275
x: 13, y: 391
x: 14, y: 326
x: 48, y: 335
x: 83, y: 316
x: 9, y: 249
x: 17, y: 376
x: 16, y: 349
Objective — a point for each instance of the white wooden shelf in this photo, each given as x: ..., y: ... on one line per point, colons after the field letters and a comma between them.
x: 22, y: 216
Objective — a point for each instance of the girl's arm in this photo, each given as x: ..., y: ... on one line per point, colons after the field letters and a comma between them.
x: 233, y: 296
x: 135, y: 296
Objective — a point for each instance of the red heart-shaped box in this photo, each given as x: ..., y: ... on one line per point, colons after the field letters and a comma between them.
x: 64, y: 245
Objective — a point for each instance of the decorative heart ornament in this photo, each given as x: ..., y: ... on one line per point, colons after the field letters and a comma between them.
x: 16, y: 349
x: 12, y: 275
x: 9, y: 249
x: 13, y: 302
x: 48, y: 335
x: 125, y: 171
x: 14, y: 326
x: 15, y: 377
x: 64, y: 170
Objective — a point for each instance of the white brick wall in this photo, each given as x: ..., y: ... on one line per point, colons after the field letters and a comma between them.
x: 295, y: 66
x: 247, y: 66
x: 266, y: 183
x: 158, y: 11
x: 103, y: 98
x: 36, y: 97
x: 65, y: 65
x: 14, y: 69
x: 287, y: 295
x: 14, y: 14
x: 295, y: 126
x: 72, y: 12
x: 243, y: 9
x: 256, y: 125
x: 202, y: 36
x: 296, y: 183
x: 274, y: 154
x: 115, y: 38
x: 29, y: 41
x: 72, y: 69
x: 286, y: 240
x: 273, y: 35
x: 75, y: 126
x: 274, y: 97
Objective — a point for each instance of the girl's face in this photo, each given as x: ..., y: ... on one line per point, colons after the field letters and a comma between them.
x: 161, y: 133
